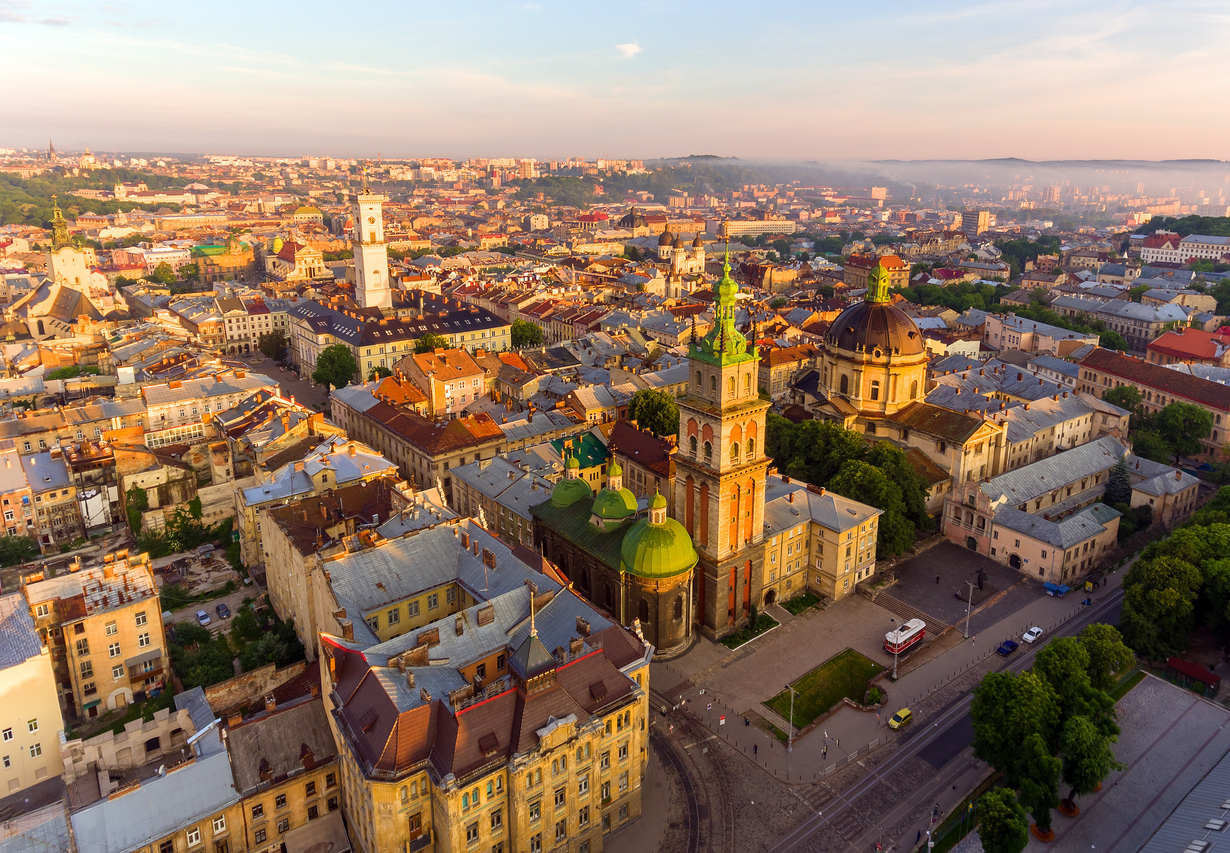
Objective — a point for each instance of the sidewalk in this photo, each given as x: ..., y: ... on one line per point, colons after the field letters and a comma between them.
x: 714, y: 682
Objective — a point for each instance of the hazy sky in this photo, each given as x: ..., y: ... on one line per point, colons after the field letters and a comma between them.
x: 772, y: 80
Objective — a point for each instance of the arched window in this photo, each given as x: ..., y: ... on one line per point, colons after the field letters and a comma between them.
x: 845, y: 384
x: 875, y: 389
x: 405, y: 795
x: 465, y: 801
x: 678, y: 607
x: 751, y: 448
x: 708, y: 450
x: 914, y: 390
x: 609, y: 597
x: 730, y: 387
x: 642, y: 611
x: 713, y: 385
x: 692, y: 444
x: 698, y: 380
x: 734, y: 452
x: 747, y: 383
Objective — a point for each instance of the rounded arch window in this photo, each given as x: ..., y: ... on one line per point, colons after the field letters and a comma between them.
x: 734, y: 452
x: 914, y: 389
x: 708, y: 450
x: 747, y: 383
x: 730, y: 387
x: 845, y: 384
x: 751, y: 448
x: 692, y: 444
x: 713, y: 384
x: 698, y: 379
x: 642, y: 610
x: 678, y: 607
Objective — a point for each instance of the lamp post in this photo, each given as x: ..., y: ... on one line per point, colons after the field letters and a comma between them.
x: 896, y: 649
x: 968, y: 606
x: 790, y: 736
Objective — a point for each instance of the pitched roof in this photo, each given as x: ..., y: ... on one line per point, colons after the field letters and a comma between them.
x: 1173, y: 382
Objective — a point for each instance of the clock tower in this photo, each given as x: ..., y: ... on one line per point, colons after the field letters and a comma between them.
x: 371, y: 255
x: 720, y: 468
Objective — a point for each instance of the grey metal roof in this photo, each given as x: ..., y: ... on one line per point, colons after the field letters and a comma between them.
x: 332, y: 453
x: 1058, y: 365
x: 18, y: 640
x: 41, y: 831
x: 1072, y: 530
x: 831, y: 511
x: 161, y: 805
x: 1206, y: 801
x: 1042, y: 477
x: 193, y: 701
x: 44, y: 473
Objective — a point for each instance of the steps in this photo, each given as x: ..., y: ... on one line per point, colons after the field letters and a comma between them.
x: 906, y: 612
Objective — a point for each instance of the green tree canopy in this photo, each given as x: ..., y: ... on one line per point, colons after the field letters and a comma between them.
x: 335, y: 367
x: 162, y: 274
x: 273, y: 345
x: 1039, y: 779
x: 429, y: 342
x: 1002, y: 826
x: 378, y: 372
x: 190, y: 272
x: 1008, y: 709
x: 863, y: 482
x: 1087, y: 757
x: 526, y: 334
x: 1125, y: 397
x: 17, y: 549
x: 1109, y: 656
x: 1182, y: 426
x: 1159, y: 598
x: 1119, y: 483
x: 1065, y: 664
x: 655, y: 411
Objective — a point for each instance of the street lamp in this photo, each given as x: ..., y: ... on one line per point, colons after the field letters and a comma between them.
x: 968, y: 605
x: 896, y: 649
x: 790, y: 736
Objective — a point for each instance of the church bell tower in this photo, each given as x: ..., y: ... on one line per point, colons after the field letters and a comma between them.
x: 720, y: 467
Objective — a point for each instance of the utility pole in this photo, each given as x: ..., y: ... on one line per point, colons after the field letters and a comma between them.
x: 790, y: 736
x: 895, y: 653
x: 968, y: 606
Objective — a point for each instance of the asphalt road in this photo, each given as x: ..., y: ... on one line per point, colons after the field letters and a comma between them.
x: 950, y: 732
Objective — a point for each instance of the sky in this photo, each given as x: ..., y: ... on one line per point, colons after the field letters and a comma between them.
x: 771, y: 81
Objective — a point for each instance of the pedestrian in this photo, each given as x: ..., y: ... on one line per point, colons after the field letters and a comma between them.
x: 824, y: 752
x: 837, y: 741
x: 755, y: 748
x: 937, y: 580
x: 918, y: 837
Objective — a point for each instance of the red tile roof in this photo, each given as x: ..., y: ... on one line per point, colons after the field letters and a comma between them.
x: 1139, y: 372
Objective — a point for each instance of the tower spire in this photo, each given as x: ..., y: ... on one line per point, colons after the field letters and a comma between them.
x: 533, y: 626
x: 59, y: 228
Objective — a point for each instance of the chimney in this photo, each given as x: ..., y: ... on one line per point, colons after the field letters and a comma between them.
x: 347, y: 630
x: 409, y: 679
x: 575, y: 644
x: 459, y: 625
x: 489, y: 558
x: 270, y: 703
x: 234, y: 719
x: 791, y: 497
x: 465, y: 540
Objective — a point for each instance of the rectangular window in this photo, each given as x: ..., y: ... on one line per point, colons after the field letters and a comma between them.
x: 142, y: 640
x: 114, y: 650
x: 140, y: 618
x: 87, y: 669
x: 331, y: 780
x: 32, y: 725
x: 112, y: 630
x: 259, y: 836
x: 258, y: 810
x: 394, y: 615
x: 623, y: 781
x: 497, y: 819
x: 36, y: 750
x: 310, y: 789
x: 561, y: 798
x: 583, y: 817
x: 280, y: 802
x: 472, y: 834
x: 167, y: 846
x: 561, y: 830
x: 41, y: 610
x: 332, y: 804
x: 219, y: 824
x: 583, y: 786
x: 535, y: 811
x: 604, y: 763
x: 313, y: 812
x: 83, y: 647
x: 117, y: 672
x: 283, y: 825
x: 194, y: 836
x: 433, y: 601
x: 623, y: 751
x: 536, y: 843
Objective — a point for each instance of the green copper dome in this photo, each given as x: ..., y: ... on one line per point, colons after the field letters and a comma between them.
x: 570, y: 490
x: 277, y: 244
x: 614, y: 470
x: 573, y: 462
x: 657, y: 550
x: 614, y: 506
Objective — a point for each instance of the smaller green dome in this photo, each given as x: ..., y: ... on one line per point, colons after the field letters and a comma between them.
x: 614, y: 470
x: 657, y: 550
x: 658, y: 501
x: 277, y: 244
x: 614, y: 505
x: 570, y: 490
x: 573, y: 462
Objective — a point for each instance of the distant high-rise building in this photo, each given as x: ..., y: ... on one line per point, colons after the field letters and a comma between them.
x: 371, y: 254
x: 879, y: 192
x: 974, y: 222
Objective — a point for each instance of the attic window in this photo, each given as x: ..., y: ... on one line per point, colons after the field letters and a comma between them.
x: 598, y: 690
x: 488, y: 744
x: 368, y: 721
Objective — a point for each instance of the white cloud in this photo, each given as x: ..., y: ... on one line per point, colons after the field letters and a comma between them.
x: 629, y: 50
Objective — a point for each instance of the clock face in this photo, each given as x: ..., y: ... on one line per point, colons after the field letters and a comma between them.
x: 371, y: 220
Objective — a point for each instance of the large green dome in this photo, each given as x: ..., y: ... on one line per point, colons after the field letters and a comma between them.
x: 570, y: 490
x: 657, y: 550
x: 613, y: 506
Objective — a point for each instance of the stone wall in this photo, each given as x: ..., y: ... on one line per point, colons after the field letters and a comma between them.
x: 251, y: 687
x: 139, y: 744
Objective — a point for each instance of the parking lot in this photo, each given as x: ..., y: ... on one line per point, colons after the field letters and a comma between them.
x: 234, y: 601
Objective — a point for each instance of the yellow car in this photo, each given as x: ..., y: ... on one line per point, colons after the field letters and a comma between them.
x: 900, y: 718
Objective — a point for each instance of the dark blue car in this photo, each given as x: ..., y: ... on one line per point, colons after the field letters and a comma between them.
x: 1006, y: 648
x: 224, y: 612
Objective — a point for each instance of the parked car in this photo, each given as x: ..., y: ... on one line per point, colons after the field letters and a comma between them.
x: 1032, y: 634
x: 1006, y: 648
x: 900, y: 718
x: 202, y: 618
x: 224, y: 612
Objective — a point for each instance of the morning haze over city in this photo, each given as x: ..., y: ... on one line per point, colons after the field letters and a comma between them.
x: 531, y: 427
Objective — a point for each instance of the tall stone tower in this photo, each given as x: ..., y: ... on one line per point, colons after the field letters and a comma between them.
x: 371, y: 255
x: 720, y: 468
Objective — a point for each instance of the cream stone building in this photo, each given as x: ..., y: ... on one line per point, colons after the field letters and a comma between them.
x: 104, y: 627
x: 30, y: 721
x: 816, y: 540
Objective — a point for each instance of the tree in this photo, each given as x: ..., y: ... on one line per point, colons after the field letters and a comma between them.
x: 1039, y: 780
x: 1158, y: 606
x: 335, y: 367
x: 1064, y: 663
x: 1151, y: 445
x: 17, y: 549
x: 1109, y: 657
x: 1119, y: 484
x: 863, y: 482
x: 1002, y: 826
x: 1007, y: 710
x: 526, y: 334
x: 429, y: 342
x: 190, y: 272
x: 892, y: 460
x: 1087, y: 757
x: 779, y: 302
x: 655, y: 411
x: 1182, y: 426
x: 1110, y: 339
x: 1215, y: 598
x: 273, y: 345
x: 162, y: 274
x: 1125, y: 397
x: 378, y: 372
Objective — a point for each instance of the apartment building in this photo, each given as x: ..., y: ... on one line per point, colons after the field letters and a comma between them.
x: 485, y: 758
x: 815, y: 539
x: 450, y: 379
x: 1008, y: 331
x: 30, y: 721
x: 103, y: 625
x: 56, y: 507
x: 858, y: 268
x: 500, y: 494
x: 179, y: 411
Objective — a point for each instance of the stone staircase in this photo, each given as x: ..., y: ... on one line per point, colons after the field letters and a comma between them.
x: 906, y: 612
